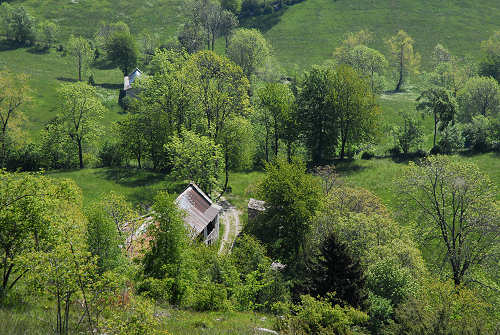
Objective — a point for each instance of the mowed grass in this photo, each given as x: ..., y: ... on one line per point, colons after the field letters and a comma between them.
x: 47, y: 72
x: 308, y: 32
x: 379, y: 175
x: 138, y: 186
x: 82, y: 17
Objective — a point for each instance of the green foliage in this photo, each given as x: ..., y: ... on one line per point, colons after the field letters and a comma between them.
x: 479, y: 134
x: 196, y: 158
x: 56, y: 147
x: 410, y: 134
x: 122, y: 51
x: 490, y: 63
x: 17, y: 24
x: 334, y: 268
x: 313, y: 316
x: 103, y: 239
x: 441, y: 104
x: 442, y: 308
x: 28, y: 205
x: 46, y: 33
x: 80, y: 112
x: 406, y: 60
x: 232, y: 5
x: 456, y: 202
x: 82, y: 52
x: 276, y: 101
x: 292, y: 198
x: 480, y: 96
x: 249, y: 49
x: 169, y: 238
x: 451, y: 139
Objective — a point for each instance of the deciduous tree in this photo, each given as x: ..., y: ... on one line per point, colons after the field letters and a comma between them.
x: 82, y: 52
x: 479, y: 96
x: 249, y: 49
x: 441, y: 104
x: 457, y: 204
x: 14, y: 92
x: 81, y: 112
x: 405, y: 59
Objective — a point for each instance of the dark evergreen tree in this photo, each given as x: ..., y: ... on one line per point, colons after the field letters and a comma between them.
x: 334, y: 268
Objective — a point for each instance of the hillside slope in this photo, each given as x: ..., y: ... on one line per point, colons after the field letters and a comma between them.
x: 308, y: 32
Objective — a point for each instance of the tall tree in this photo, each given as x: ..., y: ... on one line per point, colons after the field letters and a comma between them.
x: 16, y: 23
x: 316, y: 115
x: 229, y: 22
x: 14, y: 92
x: 122, y: 51
x: 368, y: 62
x: 219, y: 88
x: 249, y: 49
x: 277, y: 101
x: 81, y: 112
x: 441, y: 104
x: 82, y: 52
x: 292, y: 197
x: 404, y: 57
x: 28, y: 203
x: 196, y: 158
x: 354, y: 109
x: 457, y: 203
x: 334, y: 268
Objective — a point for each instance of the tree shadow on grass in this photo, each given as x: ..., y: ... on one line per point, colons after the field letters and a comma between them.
x: 38, y: 51
x: 9, y: 45
x: 348, y: 167
x: 263, y: 22
x: 110, y: 86
x: 68, y: 80
x: 103, y: 64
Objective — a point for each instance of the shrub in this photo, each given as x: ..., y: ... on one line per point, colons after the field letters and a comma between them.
x: 367, y: 155
x: 18, y: 24
x: 318, y: 316
x: 436, y: 150
x: 451, y: 139
x: 111, y: 154
x: 395, y: 151
x: 477, y: 134
x: 409, y: 135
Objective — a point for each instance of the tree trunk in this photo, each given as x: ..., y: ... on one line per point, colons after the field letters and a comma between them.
x: 66, y: 313
x: 276, y: 142
x: 435, y: 129
x: 344, y: 141
x: 289, y: 151
x: 400, y: 81
x: 80, y: 153
x: 80, y: 68
x: 139, y: 161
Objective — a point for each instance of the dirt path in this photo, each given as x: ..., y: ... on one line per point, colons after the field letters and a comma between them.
x: 232, y: 227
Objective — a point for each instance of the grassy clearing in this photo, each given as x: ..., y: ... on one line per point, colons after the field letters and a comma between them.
x: 37, y: 319
x: 378, y: 175
x: 138, y: 186
x: 47, y: 72
x: 308, y: 32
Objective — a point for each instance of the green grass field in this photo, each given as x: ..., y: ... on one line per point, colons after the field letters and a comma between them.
x: 308, y: 32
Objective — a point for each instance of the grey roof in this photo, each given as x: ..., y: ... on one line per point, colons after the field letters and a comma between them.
x: 199, y: 208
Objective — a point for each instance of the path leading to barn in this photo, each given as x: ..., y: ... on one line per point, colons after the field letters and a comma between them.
x: 232, y: 227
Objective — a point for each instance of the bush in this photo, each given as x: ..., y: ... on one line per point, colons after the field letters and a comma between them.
x: 395, y: 151
x: 27, y: 158
x: 477, y: 134
x: 409, y: 135
x: 436, y: 150
x: 313, y: 316
x: 451, y: 139
x: 110, y: 155
x: 367, y: 155
x: 18, y: 25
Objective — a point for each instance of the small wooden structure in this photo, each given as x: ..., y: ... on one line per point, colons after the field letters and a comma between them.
x: 202, y: 214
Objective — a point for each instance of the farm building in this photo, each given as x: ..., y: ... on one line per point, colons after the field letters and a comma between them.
x: 201, y: 218
x: 129, y: 80
x: 202, y: 214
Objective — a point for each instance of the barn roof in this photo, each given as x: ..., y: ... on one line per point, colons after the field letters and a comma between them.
x: 199, y: 207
